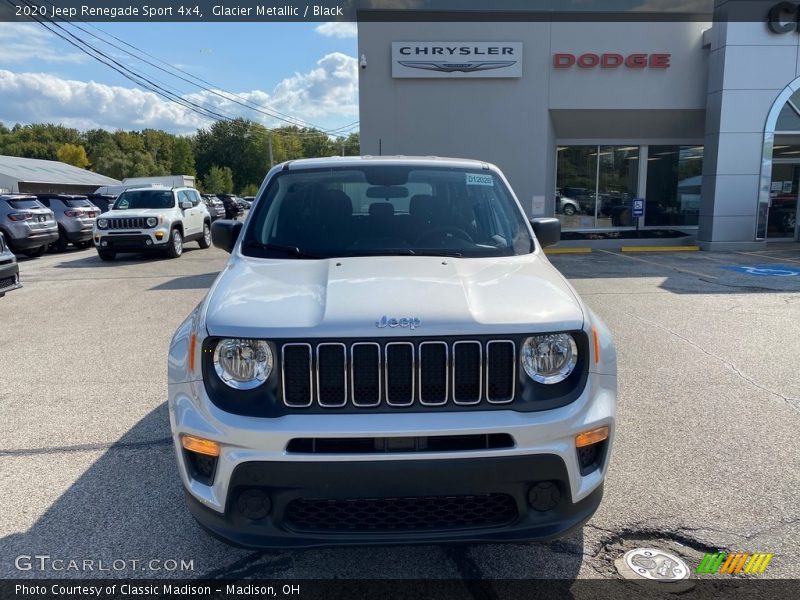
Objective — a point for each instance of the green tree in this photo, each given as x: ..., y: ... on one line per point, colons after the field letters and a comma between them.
x: 182, y: 156
x: 219, y: 180
x: 251, y: 189
x: 73, y: 154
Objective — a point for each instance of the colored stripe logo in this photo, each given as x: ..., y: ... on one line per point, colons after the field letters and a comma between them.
x: 733, y: 564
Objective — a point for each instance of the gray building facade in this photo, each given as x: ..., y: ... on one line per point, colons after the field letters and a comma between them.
x: 689, y: 126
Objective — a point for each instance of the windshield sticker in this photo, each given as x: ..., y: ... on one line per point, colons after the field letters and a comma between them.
x: 482, y: 179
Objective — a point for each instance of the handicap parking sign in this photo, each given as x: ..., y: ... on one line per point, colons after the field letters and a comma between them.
x: 767, y: 270
x: 638, y: 207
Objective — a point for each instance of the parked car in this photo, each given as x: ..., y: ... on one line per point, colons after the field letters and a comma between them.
x: 378, y: 365
x: 29, y: 226
x: 248, y: 200
x: 566, y: 206
x: 102, y: 201
x: 75, y: 216
x: 232, y: 207
x: 9, y: 270
x: 153, y: 220
x: 215, y: 206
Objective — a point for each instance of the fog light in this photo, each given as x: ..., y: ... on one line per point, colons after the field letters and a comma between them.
x: 104, y: 244
x: 149, y: 242
x: 544, y: 496
x: 253, y: 504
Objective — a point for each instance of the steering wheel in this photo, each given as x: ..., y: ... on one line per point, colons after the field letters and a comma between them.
x: 440, y: 232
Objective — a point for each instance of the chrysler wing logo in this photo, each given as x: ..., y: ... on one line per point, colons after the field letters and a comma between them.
x: 452, y: 67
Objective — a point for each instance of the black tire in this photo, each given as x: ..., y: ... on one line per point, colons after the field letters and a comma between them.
x: 35, y: 252
x: 175, y: 245
x: 60, y: 245
x: 106, y: 255
x: 569, y: 210
x: 205, y: 241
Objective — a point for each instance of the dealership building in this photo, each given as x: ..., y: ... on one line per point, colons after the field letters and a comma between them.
x: 686, y: 127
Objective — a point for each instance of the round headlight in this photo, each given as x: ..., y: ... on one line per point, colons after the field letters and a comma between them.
x: 102, y: 223
x: 243, y: 364
x: 152, y: 221
x: 549, y: 358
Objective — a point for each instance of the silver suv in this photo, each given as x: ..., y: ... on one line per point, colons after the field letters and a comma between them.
x: 28, y: 226
x: 9, y: 271
x: 75, y: 216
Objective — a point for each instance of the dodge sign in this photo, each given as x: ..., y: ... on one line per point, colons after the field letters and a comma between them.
x: 456, y: 59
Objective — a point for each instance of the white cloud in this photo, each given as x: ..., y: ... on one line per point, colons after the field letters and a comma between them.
x: 337, y: 29
x: 328, y: 94
x: 20, y: 42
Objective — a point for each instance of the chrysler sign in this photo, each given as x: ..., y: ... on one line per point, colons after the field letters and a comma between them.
x: 456, y: 59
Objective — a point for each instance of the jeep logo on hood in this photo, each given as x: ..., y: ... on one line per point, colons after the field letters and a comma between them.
x: 391, y: 322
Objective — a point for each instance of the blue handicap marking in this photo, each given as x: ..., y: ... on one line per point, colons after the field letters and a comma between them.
x: 638, y: 207
x: 767, y: 270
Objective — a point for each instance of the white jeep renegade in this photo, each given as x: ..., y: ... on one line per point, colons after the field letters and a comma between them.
x: 389, y: 357
x: 153, y: 219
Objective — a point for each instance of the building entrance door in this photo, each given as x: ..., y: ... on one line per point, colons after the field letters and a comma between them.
x: 782, y: 222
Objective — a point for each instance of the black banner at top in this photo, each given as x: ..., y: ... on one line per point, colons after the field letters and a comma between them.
x: 391, y: 10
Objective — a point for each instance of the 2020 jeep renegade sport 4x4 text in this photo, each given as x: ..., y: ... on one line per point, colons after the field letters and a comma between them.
x: 389, y: 357
x: 153, y: 219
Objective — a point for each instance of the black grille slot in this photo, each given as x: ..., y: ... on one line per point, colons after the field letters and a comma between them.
x: 501, y: 371
x: 7, y: 282
x: 428, y: 513
x: 399, y: 374
x: 433, y: 373
x: 331, y: 375
x: 467, y: 372
x: 296, y: 363
x: 366, y: 373
x: 380, y: 445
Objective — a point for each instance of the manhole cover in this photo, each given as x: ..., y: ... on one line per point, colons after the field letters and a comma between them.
x: 651, y: 563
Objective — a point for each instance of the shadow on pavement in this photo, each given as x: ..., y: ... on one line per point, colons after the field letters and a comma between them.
x: 128, y: 506
x: 93, y: 260
x: 189, y: 282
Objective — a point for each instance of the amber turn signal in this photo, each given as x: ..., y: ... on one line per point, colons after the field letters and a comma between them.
x: 199, y: 445
x: 593, y: 436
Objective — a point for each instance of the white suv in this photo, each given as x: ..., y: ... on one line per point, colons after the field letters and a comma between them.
x: 390, y: 357
x: 153, y: 219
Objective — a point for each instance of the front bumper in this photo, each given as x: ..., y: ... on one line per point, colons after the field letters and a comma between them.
x: 9, y: 275
x: 350, y: 503
x: 129, y: 243
x: 543, y: 449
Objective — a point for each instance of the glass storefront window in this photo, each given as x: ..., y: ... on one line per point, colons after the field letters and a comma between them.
x: 595, y: 186
x: 674, y: 176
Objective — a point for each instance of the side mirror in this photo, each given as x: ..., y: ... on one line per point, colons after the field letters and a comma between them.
x: 186, y: 204
x: 225, y: 232
x: 547, y: 230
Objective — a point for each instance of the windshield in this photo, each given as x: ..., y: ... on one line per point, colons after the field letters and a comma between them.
x: 144, y: 199
x: 23, y: 204
x: 385, y: 210
x: 77, y: 202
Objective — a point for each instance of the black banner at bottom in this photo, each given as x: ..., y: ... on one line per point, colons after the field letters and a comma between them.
x: 441, y: 589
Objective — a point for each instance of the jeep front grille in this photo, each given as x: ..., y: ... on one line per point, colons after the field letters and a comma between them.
x: 126, y: 223
x: 398, y: 373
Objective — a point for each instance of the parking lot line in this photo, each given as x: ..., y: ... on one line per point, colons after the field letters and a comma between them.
x: 567, y: 250
x: 658, y: 264
x: 776, y: 258
x: 660, y: 248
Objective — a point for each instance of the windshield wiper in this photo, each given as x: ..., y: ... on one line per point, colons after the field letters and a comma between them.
x: 293, y: 250
x: 452, y: 253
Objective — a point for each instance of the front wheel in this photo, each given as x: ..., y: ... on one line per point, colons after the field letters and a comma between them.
x: 205, y: 241
x: 175, y: 245
x: 35, y: 252
x: 568, y: 210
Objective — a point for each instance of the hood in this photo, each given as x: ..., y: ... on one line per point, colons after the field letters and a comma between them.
x: 133, y: 213
x: 347, y: 297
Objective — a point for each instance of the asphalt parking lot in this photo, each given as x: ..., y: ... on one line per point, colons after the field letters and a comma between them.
x: 706, y: 452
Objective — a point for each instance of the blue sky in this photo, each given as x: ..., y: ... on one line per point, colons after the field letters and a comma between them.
x: 307, y: 70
